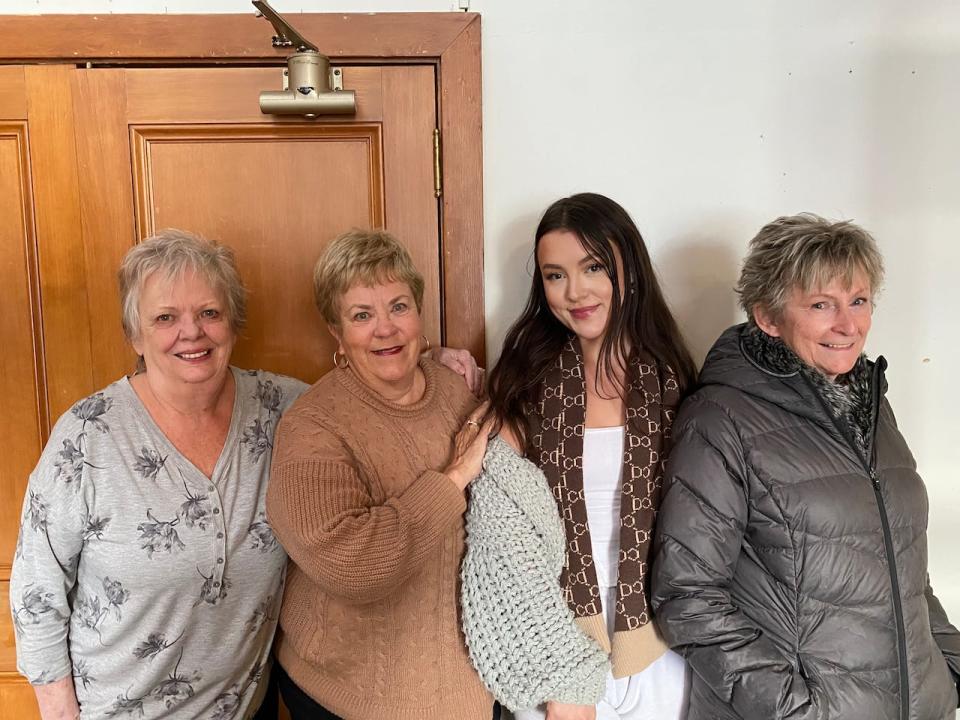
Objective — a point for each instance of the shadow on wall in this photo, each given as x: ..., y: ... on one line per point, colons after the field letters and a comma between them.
x: 517, y: 265
x: 697, y: 272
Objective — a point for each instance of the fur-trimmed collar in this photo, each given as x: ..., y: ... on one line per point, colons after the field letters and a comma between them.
x: 848, y: 398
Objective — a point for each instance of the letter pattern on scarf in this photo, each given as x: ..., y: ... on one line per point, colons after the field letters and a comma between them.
x: 556, y: 425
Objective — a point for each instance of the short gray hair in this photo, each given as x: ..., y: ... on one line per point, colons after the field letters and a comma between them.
x: 804, y: 251
x: 173, y: 252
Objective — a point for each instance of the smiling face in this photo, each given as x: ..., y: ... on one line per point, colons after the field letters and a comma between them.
x: 379, y: 332
x: 185, y: 335
x: 827, y: 326
x: 576, y: 284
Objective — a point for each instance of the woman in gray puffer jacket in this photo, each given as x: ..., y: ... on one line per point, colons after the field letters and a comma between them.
x: 791, y: 568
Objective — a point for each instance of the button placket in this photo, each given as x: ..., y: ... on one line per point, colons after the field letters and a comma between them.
x: 220, y: 536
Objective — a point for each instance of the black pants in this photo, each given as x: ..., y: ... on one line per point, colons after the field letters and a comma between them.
x: 300, y: 705
x: 304, y: 707
x: 268, y: 708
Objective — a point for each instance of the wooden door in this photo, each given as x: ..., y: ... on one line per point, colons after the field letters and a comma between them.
x: 189, y: 148
x: 142, y: 149
x: 23, y: 420
x: 94, y: 158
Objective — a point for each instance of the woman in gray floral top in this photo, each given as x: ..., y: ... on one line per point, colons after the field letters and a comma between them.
x: 146, y: 580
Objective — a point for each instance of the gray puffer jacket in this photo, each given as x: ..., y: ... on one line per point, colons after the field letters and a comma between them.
x: 791, y: 562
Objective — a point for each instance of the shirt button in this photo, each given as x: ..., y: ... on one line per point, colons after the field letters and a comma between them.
x: 219, y: 561
x: 211, y: 488
x: 217, y: 584
x: 216, y: 511
x: 219, y: 536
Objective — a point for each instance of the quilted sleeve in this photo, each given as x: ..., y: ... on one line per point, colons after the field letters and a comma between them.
x: 521, y: 634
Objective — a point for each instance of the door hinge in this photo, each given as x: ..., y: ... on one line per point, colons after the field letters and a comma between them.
x: 437, y: 183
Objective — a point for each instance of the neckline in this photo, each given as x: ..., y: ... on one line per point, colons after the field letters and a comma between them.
x: 610, y: 429
x: 151, y: 425
x: 363, y: 392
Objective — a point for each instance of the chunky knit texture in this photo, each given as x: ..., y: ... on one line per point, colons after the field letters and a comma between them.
x: 520, y: 631
x: 369, y: 625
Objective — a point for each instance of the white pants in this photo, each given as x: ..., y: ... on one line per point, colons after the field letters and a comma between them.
x: 657, y: 693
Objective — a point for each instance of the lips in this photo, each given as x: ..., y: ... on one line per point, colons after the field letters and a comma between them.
x: 386, y: 352
x: 194, y: 355
x: 583, y: 313
x: 837, y: 346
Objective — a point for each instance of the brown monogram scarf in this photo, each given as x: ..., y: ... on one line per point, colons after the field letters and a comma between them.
x: 556, y: 425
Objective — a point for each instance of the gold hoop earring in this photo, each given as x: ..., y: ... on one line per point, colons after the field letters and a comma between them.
x: 338, y: 357
x: 427, y: 341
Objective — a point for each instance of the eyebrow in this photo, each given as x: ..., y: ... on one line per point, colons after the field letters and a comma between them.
x: 362, y: 306
x: 588, y: 258
x: 819, y: 293
x: 205, y: 303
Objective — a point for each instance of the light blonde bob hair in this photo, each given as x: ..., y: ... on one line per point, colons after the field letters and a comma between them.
x: 365, y: 257
x: 172, y: 253
x: 804, y: 251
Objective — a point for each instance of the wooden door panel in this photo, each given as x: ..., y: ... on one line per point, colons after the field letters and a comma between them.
x: 157, y: 95
x: 275, y: 189
x: 141, y: 149
x: 63, y: 269
x: 412, y: 209
x: 13, y: 94
x: 17, y: 698
x: 319, y: 180
x: 106, y: 212
x: 21, y: 422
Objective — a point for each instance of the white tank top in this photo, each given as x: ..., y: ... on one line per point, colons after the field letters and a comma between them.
x: 602, y: 467
x: 659, y: 691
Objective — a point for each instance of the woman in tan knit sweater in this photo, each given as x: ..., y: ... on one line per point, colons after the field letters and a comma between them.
x: 367, y: 497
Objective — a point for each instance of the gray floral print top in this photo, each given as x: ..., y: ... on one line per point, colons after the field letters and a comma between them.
x: 155, y: 587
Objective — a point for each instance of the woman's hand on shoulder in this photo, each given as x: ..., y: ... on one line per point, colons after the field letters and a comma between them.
x: 564, y: 711
x: 469, y: 447
x: 463, y: 364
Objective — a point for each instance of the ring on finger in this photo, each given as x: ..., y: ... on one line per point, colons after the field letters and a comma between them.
x: 474, y: 423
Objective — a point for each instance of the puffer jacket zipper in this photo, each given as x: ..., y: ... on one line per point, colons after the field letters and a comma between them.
x: 870, y: 464
x: 888, y: 541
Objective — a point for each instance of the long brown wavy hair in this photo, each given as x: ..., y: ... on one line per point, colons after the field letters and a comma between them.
x: 640, y: 320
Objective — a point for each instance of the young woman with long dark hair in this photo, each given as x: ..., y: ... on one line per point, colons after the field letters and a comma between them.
x: 555, y: 580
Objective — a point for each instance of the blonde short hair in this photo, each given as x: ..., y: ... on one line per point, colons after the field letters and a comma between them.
x: 173, y: 252
x: 367, y: 257
x: 804, y: 251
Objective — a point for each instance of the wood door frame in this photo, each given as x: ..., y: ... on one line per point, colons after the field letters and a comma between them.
x: 450, y: 41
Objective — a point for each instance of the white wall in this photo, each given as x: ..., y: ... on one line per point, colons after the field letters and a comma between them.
x: 707, y: 119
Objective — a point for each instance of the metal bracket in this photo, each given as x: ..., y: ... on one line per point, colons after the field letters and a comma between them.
x: 286, y: 36
x: 310, y: 86
x: 336, y: 79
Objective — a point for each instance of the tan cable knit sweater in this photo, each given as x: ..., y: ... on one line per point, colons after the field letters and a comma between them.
x: 375, y: 534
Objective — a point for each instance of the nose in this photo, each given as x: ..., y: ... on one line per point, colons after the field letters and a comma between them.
x: 844, y: 322
x: 574, y: 288
x: 385, y: 326
x: 190, y: 327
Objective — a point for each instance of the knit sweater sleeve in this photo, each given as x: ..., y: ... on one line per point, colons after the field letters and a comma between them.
x: 324, y: 515
x: 520, y: 632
